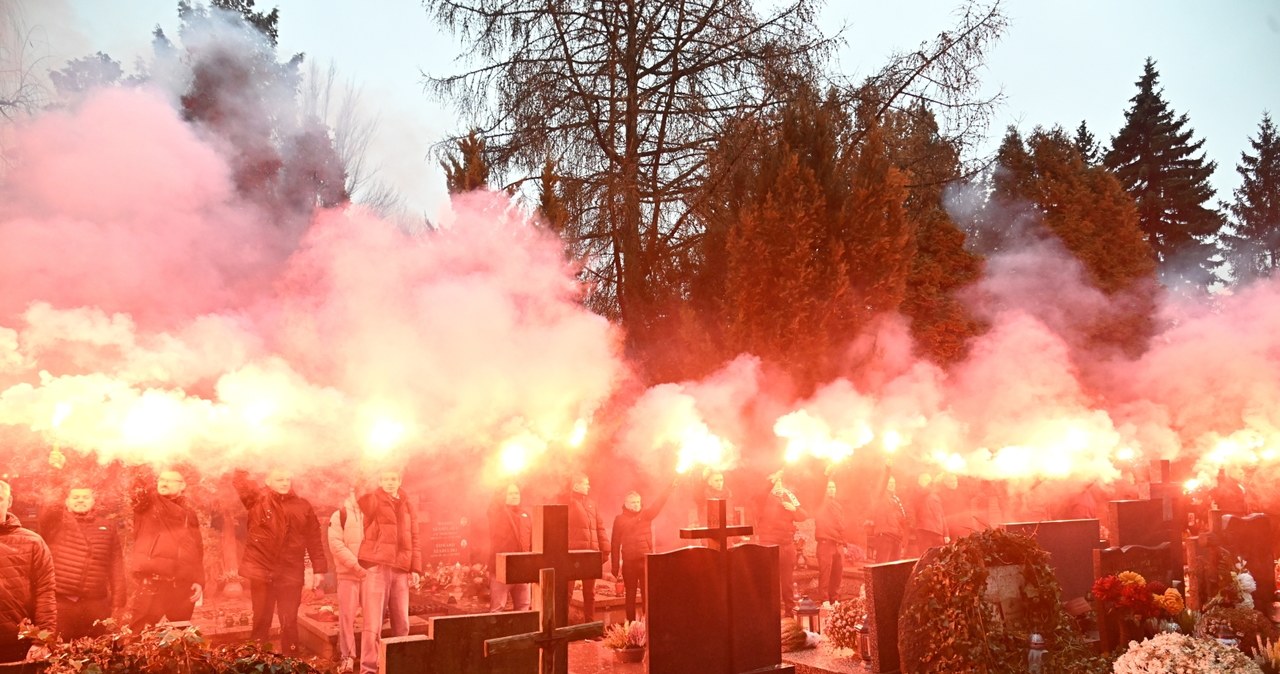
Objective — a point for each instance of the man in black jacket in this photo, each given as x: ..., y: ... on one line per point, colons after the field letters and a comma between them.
x: 832, y: 536
x: 282, y: 531
x: 168, y: 553
x: 586, y: 532
x: 89, y: 561
x: 510, y: 530
x: 26, y: 582
x: 632, y: 540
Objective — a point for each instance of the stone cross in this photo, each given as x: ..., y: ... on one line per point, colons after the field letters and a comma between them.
x: 552, y: 641
x: 551, y: 551
x: 717, y: 532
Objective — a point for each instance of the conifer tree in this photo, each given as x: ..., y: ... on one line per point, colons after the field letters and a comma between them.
x: 1166, y: 173
x: 1253, y: 246
x: 467, y: 169
x: 1087, y: 145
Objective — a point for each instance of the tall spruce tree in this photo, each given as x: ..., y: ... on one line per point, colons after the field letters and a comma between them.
x: 1087, y: 145
x: 467, y: 169
x: 1166, y: 173
x: 1253, y: 246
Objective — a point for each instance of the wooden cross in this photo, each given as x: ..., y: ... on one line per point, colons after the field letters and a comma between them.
x: 551, y: 550
x: 717, y: 532
x: 551, y: 641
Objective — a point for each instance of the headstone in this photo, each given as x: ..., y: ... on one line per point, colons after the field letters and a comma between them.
x: 714, y: 610
x: 444, y: 543
x: 1202, y: 554
x: 456, y: 644
x: 1136, y: 523
x: 550, y: 641
x: 885, y: 585
x: 1153, y: 563
x: 1070, y: 544
x: 1249, y: 537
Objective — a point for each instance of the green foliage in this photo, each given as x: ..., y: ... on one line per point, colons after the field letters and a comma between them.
x: 841, y: 627
x: 161, y: 649
x: 1249, y: 625
x: 1166, y: 174
x: 956, y: 632
x: 1253, y: 244
x: 467, y: 169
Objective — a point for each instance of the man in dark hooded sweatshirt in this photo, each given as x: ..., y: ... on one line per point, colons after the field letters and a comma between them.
x: 832, y: 535
x: 282, y: 532
x: 26, y: 583
x: 586, y: 532
x: 89, y: 561
x: 168, y: 553
x: 632, y: 540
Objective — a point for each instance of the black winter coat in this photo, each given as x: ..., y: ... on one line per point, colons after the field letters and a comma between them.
x: 829, y: 523
x: 776, y: 525
x: 390, y: 532
x: 282, y: 531
x: 633, y: 533
x: 166, y: 538
x: 586, y: 527
x: 87, y: 554
x: 510, y: 530
x: 26, y: 580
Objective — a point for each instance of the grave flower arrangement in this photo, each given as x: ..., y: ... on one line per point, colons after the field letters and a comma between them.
x: 1130, y: 595
x: 1173, y: 652
x: 630, y: 634
x: 841, y: 626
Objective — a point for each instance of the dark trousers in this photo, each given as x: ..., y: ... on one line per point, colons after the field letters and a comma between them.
x: 786, y: 573
x: 276, y: 598
x: 158, y: 598
x: 589, y: 599
x: 76, y: 617
x: 633, y: 583
x: 13, y: 649
x: 886, y: 548
x: 926, y: 540
x: 830, y: 568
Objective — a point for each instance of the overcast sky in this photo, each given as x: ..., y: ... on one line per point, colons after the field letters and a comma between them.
x: 1058, y: 63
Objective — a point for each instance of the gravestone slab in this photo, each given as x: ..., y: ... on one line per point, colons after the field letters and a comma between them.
x: 1202, y: 554
x: 1136, y: 523
x: 1070, y: 544
x: 687, y: 618
x: 754, y: 607
x: 456, y: 644
x: 885, y: 586
x: 1250, y: 537
x: 1153, y: 563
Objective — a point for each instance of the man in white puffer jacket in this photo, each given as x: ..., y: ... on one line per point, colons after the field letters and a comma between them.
x: 346, y: 531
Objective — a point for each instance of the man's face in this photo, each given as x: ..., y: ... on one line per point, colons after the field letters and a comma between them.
x: 80, y: 501
x: 390, y: 482
x: 893, y: 484
x: 582, y: 486
x: 170, y: 483
x: 632, y: 503
x: 6, y: 502
x: 279, y: 481
x: 831, y: 489
x: 716, y: 481
x: 513, y: 495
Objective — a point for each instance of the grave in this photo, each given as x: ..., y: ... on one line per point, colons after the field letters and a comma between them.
x: 1070, y: 544
x: 456, y: 644
x: 551, y: 641
x: 716, y: 609
x: 886, y: 584
x: 1249, y: 537
x: 1153, y: 563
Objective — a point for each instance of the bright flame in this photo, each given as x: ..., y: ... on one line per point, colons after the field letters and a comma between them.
x: 579, y: 433
x: 60, y: 413
x: 699, y: 446
x: 1126, y: 454
x: 1191, y: 485
x: 514, y: 456
x: 384, y: 435
x: 151, y: 421
x: 807, y: 435
x: 891, y: 440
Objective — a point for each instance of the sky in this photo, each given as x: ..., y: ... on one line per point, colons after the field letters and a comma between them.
x: 1058, y: 63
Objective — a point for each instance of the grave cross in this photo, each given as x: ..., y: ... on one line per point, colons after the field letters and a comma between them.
x: 551, y: 550
x: 551, y: 641
x: 717, y: 532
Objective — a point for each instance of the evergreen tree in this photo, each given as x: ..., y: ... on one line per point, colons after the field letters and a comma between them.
x: 942, y: 265
x: 1253, y: 247
x: 1086, y: 209
x: 468, y: 169
x: 1087, y: 145
x: 1156, y: 161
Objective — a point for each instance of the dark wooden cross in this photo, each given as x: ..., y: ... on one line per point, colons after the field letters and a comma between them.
x: 717, y: 532
x: 551, y: 551
x: 551, y: 641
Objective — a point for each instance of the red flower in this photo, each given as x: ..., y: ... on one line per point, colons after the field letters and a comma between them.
x: 1107, y: 588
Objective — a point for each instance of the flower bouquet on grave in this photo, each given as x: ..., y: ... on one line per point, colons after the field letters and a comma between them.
x: 844, y: 624
x: 475, y: 581
x: 1173, y: 652
x: 627, y: 640
x: 1128, y: 601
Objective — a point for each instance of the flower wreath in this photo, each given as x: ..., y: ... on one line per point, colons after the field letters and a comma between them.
x: 949, y: 629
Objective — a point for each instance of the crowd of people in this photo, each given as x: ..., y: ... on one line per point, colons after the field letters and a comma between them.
x: 73, y: 575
